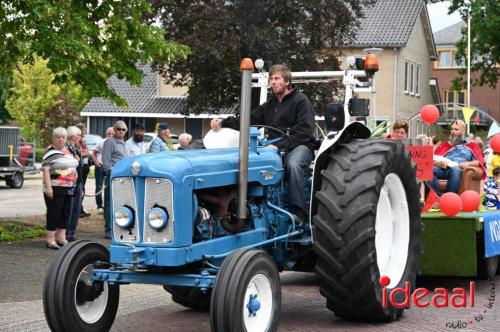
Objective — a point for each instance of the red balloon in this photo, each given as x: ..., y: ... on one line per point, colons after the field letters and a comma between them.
x: 470, y: 200
x: 495, y: 143
x: 429, y: 114
x: 450, y: 204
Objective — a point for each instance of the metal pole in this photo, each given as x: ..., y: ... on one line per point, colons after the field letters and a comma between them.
x: 374, y: 103
x: 468, y: 67
x: 246, y: 68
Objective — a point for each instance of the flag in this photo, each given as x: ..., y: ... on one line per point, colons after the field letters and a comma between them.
x: 467, y: 111
x: 431, y: 199
x: 494, y: 129
x: 476, y: 119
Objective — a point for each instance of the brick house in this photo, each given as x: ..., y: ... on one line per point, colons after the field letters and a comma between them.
x: 446, y: 68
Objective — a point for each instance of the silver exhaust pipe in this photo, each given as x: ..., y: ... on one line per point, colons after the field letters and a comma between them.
x: 246, y: 68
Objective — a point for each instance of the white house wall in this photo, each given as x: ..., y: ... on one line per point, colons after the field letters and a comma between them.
x: 415, y: 51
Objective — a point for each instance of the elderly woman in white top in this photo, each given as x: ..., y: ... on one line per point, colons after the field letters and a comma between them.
x: 59, y: 180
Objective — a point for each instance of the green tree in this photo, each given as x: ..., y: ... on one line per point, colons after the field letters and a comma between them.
x: 303, y: 34
x: 485, y: 39
x: 33, y: 92
x: 66, y: 112
x: 84, y: 41
x: 4, y: 94
x: 39, y: 104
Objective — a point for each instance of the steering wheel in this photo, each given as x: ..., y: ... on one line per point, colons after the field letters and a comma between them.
x: 283, y: 136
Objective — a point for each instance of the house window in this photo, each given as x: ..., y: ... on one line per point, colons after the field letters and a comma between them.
x: 412, y: 82
x: 453, y: 101
x: 407, y: 68
x: 413, y: 73
x: 447, y: 60
x: 417, y: 80
x: 444, y: 59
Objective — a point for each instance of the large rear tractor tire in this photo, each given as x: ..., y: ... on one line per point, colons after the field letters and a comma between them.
x: 190, y: 297
x: 367, y: 226
x: 71, y: 300
x: 247, y: 293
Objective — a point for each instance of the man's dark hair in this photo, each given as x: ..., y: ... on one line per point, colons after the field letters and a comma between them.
x: 496, y: 171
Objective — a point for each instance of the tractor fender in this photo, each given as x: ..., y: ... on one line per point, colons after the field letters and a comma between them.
x: 354, y: 130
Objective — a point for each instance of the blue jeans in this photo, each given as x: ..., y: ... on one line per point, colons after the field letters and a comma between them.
x: 452, y: 174
x: 99, y: 180
x: 296, y: 161
x: 76, y: 207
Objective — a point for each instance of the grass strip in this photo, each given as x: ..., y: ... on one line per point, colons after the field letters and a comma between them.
x: 10, y: 232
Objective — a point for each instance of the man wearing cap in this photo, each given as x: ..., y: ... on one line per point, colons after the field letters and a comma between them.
x: 162, y: 142
x: 135, y: 144
x: 452, y: 156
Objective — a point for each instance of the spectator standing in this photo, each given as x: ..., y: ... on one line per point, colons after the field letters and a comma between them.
x: 113, y: 150
x: 162, y: 142
x: 86, y: 163
x: 74, y: 136
x: 185, y: 141
x: 59, y: 182
x: 99, y: 170
x: 135, y: 144
x: 491, y: 192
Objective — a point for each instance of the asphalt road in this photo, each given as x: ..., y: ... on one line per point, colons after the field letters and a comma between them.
x: 149, y: 307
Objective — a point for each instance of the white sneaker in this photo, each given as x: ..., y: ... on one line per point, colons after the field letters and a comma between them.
x: 100, y: 211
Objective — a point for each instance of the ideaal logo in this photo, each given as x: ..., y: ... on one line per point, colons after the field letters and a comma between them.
x: 440, y: 298
x: 458, y: 299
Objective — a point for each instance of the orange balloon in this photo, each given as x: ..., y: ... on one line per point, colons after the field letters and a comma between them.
x: 429, y: 114
x: 470, y: 200
x: 495, y: 143
x: 450, y: 204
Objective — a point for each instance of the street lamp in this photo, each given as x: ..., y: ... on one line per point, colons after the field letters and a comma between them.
x: 374, y: 51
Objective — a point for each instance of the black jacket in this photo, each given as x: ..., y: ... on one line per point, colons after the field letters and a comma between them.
x: 294, y: 113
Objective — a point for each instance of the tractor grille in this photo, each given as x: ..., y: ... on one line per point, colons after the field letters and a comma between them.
x: 123, y: 192
x: 158, y: 192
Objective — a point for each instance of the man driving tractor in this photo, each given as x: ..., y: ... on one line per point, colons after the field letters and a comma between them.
x: 288, y: 109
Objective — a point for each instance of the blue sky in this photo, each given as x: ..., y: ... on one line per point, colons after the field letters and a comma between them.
x: 438, y: 14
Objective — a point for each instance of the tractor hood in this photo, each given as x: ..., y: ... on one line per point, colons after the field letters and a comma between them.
x: 203, y: 166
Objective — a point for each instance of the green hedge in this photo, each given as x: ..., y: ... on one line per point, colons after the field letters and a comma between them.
x: 39, y: 154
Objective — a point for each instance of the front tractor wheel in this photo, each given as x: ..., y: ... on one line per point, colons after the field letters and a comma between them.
x: 72, y: 301
x: 247, y: 293
x: 367, y: 226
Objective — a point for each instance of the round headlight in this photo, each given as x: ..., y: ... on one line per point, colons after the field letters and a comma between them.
x: 124, y: 217
x: 157, y: 218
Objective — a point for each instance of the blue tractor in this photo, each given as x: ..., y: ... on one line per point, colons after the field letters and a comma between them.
x: 213, y: 227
